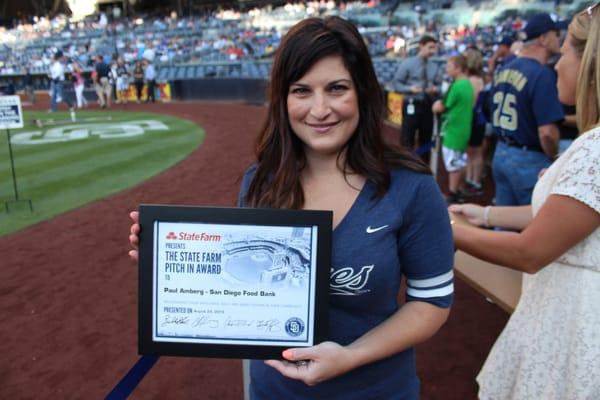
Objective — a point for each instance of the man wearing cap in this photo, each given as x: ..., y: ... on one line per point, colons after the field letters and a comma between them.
x: 525, y: 113
x: 57, y: 81
x: 502, y: 55
x: 419, y: 79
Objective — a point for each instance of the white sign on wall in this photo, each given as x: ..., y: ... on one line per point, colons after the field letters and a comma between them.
x: 11, y: 116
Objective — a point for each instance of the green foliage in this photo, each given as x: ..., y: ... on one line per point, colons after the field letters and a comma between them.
x: 58, y: 177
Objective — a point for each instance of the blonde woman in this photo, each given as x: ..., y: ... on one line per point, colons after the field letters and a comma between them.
x: 550, y: 348
x: 475, y: 163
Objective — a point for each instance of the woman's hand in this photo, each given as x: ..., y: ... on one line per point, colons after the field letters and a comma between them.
x: 134, y: 232
x: 316, y: 364
x: 472, y: 212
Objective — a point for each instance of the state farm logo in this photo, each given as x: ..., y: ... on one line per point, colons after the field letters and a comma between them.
x: 200, y: 237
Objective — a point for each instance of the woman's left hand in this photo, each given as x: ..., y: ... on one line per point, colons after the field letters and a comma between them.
x: 323, y: 361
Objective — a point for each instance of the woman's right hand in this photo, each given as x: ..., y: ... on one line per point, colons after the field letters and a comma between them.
x: 134, y: 232
x: 472, y: 212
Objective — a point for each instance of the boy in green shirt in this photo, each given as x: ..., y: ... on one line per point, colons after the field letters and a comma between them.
x: 457, y: 107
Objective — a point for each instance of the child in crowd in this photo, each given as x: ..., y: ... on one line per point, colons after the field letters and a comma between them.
x: 457, y: 108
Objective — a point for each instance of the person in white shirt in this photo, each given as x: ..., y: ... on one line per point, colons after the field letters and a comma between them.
x: 149, y: 52
x: 150, y: 78
x: 57, y: 80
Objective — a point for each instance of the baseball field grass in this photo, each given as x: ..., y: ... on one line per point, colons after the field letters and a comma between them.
x: 60, y: 165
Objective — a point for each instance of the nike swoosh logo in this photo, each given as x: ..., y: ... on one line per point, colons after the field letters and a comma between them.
x: 373, y: 230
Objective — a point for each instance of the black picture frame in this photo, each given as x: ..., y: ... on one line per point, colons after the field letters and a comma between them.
x: 151, y: 218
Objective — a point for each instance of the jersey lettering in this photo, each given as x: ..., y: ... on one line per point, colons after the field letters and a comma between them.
x: 347, y: 282
x: 511, y: 76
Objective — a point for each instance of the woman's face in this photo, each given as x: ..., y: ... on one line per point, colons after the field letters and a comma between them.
x: 567, y: 69
x: 452, y: 69
x: 323, y: 107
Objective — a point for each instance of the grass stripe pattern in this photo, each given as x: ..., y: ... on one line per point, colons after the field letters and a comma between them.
x: 93, y: 158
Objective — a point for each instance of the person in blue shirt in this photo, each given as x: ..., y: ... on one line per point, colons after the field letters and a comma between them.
x: 526, y: 111
x: 503, y: 55
x: 150, y: 78
x: 419, y: 79
x: 321, y: 147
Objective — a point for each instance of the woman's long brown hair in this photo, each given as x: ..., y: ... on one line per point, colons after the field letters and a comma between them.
x: 280, y: 154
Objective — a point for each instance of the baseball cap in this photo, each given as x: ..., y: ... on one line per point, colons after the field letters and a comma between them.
x: 541, y: 23
x: 505, y: 40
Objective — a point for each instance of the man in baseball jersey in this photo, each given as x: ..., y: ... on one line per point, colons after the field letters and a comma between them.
x: 525, y: 113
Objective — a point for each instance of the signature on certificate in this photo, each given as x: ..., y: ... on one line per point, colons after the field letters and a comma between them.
x: 265, y: 325
x: 227, y: 322
x: 205, y: 322
x: 175, y: 320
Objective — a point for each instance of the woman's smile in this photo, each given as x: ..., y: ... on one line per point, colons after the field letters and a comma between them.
x: 322, y: 127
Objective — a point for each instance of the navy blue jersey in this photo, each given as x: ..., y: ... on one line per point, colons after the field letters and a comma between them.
x: 102, y: 69
x: 404, y: 233
x: 524, y: 97
x: 505, y: 60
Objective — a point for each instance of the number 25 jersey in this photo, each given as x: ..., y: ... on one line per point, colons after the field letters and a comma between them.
x: 524, y: 98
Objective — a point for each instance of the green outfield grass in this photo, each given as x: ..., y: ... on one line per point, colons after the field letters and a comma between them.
x: 67, y: 174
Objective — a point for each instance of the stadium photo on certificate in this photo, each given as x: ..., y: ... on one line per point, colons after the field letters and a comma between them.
x: 277, y: 259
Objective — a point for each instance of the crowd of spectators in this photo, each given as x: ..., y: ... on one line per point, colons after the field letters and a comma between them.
x: 224, y: 43
x: 219, y: 37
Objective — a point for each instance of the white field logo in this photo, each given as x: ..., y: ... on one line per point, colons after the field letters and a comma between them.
x: 111, y: 130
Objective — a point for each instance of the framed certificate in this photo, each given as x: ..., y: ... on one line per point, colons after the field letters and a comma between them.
x: 232, y: 282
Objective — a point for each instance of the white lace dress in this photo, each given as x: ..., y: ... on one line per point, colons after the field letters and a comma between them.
x: 550, y: 348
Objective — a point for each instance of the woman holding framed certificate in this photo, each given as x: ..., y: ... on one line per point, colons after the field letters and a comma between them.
x: 550, y: 348
x: 321, y: 148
